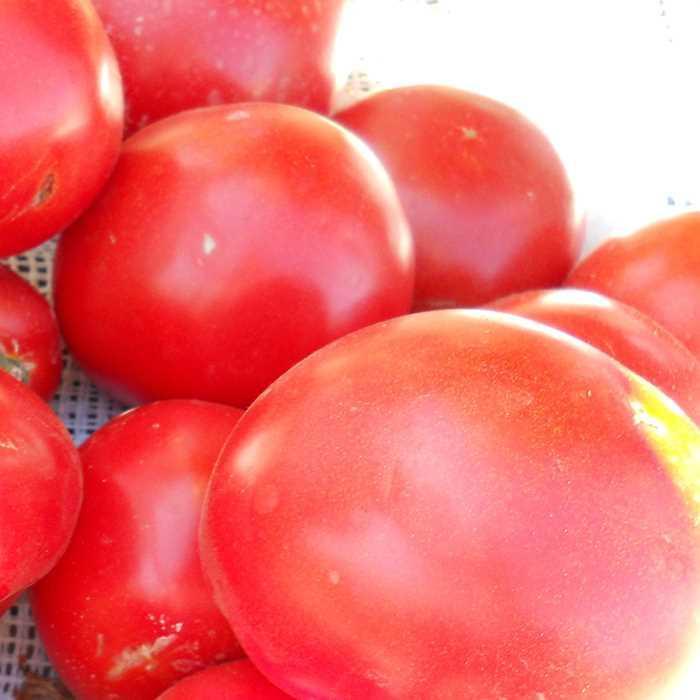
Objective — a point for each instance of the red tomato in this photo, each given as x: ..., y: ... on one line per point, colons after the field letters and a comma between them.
x: 41, y: 487
x: 230, y: 243
x: 30, y: 346
x: 485, y: 194
x: 126, y: 612
x: 239, y: 680
x: 61, y: 116
x: 179, y: 54
x: 656, y: 270
x: 624, y: 333
x: 460, y: 505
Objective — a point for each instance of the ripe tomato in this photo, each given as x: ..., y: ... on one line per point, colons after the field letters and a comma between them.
x: 239, y: 680
x: 126, y: 612
x: 485, y: 194
x: 179, y: 54
x: 41, y: 487
x: 656, y: 270
x: 61, y: 116
x: 460, y: 505
x: 230, y: 243
x: 624, y: 333
x: 30, y: 346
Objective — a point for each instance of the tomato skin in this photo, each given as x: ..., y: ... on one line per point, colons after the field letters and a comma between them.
x: 655, y: 270
x: 619, y: 330
x: 458, y: 505
x: 230, y: 243
x: 127, y: 612
x: 41, y: 483
x: 177, y: 55
x: 62, y: 117
x: 485, y: 194
x: 30, y: 345
x: 239, y: 680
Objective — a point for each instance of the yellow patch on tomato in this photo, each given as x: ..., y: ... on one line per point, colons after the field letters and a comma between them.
x: 675, y: 440
x: 673, y: 436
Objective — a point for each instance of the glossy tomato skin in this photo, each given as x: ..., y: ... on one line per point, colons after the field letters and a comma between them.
x: 656, y: 270
x: 62, y: 117
x: 41, y: 487
x: 622, y: 332
x: 126, y: 613
x: 180, y: 54
x: 230, y: 243
x: 239, y: 680
x: 30, y: 345
x: 459, y: 505
x: 486, y: 196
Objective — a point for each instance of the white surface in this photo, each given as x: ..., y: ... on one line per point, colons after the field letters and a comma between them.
x: 612, y: 83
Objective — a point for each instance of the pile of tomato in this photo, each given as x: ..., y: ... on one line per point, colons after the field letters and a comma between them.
x: 390, y: 440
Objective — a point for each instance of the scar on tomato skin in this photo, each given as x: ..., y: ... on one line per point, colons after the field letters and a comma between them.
x: 469, y: 133
x: 141, y: 656
x: 15, y: 366
x: 7, y: 444
x: 45, y: 191
x: 186, y: 665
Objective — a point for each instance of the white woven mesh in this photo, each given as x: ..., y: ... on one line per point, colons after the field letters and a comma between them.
x: 375, y: 53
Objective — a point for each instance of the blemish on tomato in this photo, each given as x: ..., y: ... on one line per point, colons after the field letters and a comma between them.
x: 186, y: 665
x: 100, y: 650
x: 45, y: 191
x: 141, y: 656
x: 7, y: 444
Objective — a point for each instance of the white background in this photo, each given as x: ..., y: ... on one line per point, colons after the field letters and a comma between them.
x: 611, y: 82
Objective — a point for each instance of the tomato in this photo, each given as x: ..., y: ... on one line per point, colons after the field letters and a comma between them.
x: 126, y: 612
x: 485, y: 194
x: 460, y: 504
x: 656, y: 270
x: 230, y: 243
x: 624, y: 333
x: 30, y: 346
x: 61, y: 118
x: 239, y: 680
x: 179, y: 54
x: 40, y: 487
